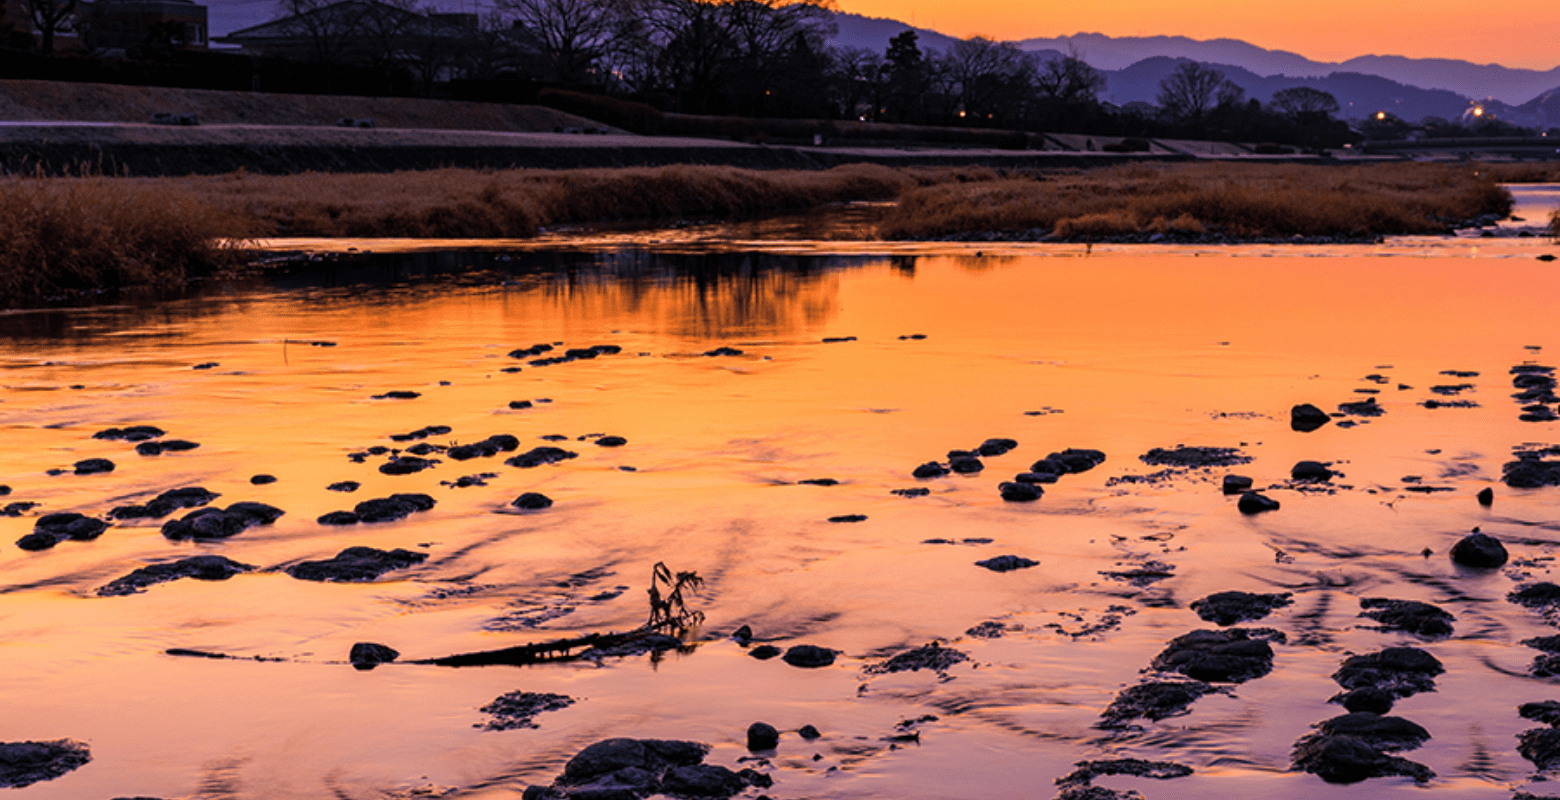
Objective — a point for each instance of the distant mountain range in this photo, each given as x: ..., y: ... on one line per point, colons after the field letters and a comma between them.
x: 1411, y: 88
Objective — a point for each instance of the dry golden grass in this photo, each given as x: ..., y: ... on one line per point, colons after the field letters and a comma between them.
x: 1534, y: 172
x: 60, y: 235
x: 459, y: 203
x: 1241, y: 200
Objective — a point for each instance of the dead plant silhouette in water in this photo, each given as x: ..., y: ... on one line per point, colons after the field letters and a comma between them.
x: 672, y: 611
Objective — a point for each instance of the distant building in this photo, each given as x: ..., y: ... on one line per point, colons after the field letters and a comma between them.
x: 362, y: 32
x: 129, y: 24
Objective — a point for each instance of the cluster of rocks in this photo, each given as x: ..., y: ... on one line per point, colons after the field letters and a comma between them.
x: 394, y: 508
x: 1535, y: 385
x: 627, y: 769
x: 520, y: 709
x: 487, y: 448
x: 1533, y: 468
x: 51, y: 529
x: 1079, y: 784
x: 537, y: 456
x: 932, y: 656
x: 205, y: 524
x: 1358, y: 745
x: 573, y: 354
x: 1025, y: 486
x: 1202, y: 658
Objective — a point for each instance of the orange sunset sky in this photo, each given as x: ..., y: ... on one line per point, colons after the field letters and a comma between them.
x: 1515, y: 33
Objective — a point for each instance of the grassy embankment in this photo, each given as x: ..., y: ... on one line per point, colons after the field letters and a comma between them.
x: 67, y: 234
x: 1238, y: 201
x: 59, y: 235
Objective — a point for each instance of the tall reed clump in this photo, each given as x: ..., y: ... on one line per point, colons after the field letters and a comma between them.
x: 461, y: 203
x: 59, y: 235
x: 1238, y: 200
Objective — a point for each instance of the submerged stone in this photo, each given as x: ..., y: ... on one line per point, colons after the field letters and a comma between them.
x: 762, y: 736
x: 1344, y: 759
x: 133, y: 433
x: 1256, y: 503
x: 1400, y: 671
x: 809, y: 656
x: 157, y: 448
x: 532, y: 501
x: 1540, y: 746
x: 1236, y: 484
x: 1231, y: 655
x: 1195, y: 457
x: 1409, y: 616
x: 356, y: 564
x: 51, y: 529
x: 1153, y: 700
x: 1547, y: 712
x: 538, y: 456
x: 26, y: 763
x: 930, y: 469
x: 932, y: 656
x: 1383, y: 733
x: 367, y: 655
x: 1018, y: 492
x: 1376, y: 701
x: 202, y: 568
x: 1311, y: 471
x: 1007, y: 563
x: 1228, y: 608
x: 93, y: 466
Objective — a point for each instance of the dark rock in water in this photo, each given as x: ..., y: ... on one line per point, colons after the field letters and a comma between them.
x: 1479, y: 550
x: 26, y: 763
x: 723, y: 351
x: 51, y: 529
x: 996, y: 447
x: 1548, y: 644
x: 1382, y: 733
x: 1409, y: 616
x: 1363, y: 408
x: 339, y: 518
x: 838, y: 339
x: 203, y: 568
x: 808, y: 656
x: 1306, y: 418
x: 1019, y: 492
x: 743, y: 635
x: 134, y: 433
x: 764, y: 652
x: 809, y: 733
x: 19, y: 508
x: 1195, y: 457
x: 256, y: 513
x: 1371, y: 699
x: 1048, y: 466
x: 1236, y: 484
x: 344, y: 486
x: 532, y: 501
x: 392, y: 508
x: 965, y: 465
x: 367, y: 655
x: 206, y: 365
x: 930, y: 469
x: 916, y: 492
x: 397, y: 395
x: 620, y: 769
x: 406, y: 465
x: 1400, y: 671
x: 1154, y: 700
x: 1543, y: 596
x: 1232, y: 655
x: 518, y: 405
x: 1228, y: 608
x: 1530, y: 472
x: 216, y: 523
x: 166, y: 503
x: 932, y: 656
x: 611, y: 441
x: 533, y: 350
x: 1075, y: 460
x: 1540, y: 746
x: 93, y: 466
x: 1076, y: 784
x: 538, y: 456
x: 849, y: 518
x: 1547, y: 712
x: 1006, y: 563
x: 157, y: 448
x: 262, y: 480
x: 356, y: 564
x: 1344, y: 759
x: 1035, y: 477
x: 421, y: 433
x: 1310, y: 471
x: 818, y: 482
x: 762, y: 736
x: 520, y: 709
x: 1545, y: 666
x: 1256, y: 503
x: 4, y: 490
x: 1486, y: 496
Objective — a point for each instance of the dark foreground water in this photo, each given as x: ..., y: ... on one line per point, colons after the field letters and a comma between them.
x: 1119, y: 349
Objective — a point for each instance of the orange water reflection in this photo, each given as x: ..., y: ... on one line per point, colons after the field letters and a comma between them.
x: 1131, y: 348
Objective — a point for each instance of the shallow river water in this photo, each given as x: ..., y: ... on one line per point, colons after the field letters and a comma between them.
x: 1120, y: 349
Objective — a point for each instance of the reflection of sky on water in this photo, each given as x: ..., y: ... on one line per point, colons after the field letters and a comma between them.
x: 1135, y: 348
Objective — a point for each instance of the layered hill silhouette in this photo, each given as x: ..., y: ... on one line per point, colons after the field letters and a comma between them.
x: 1411, y: 88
